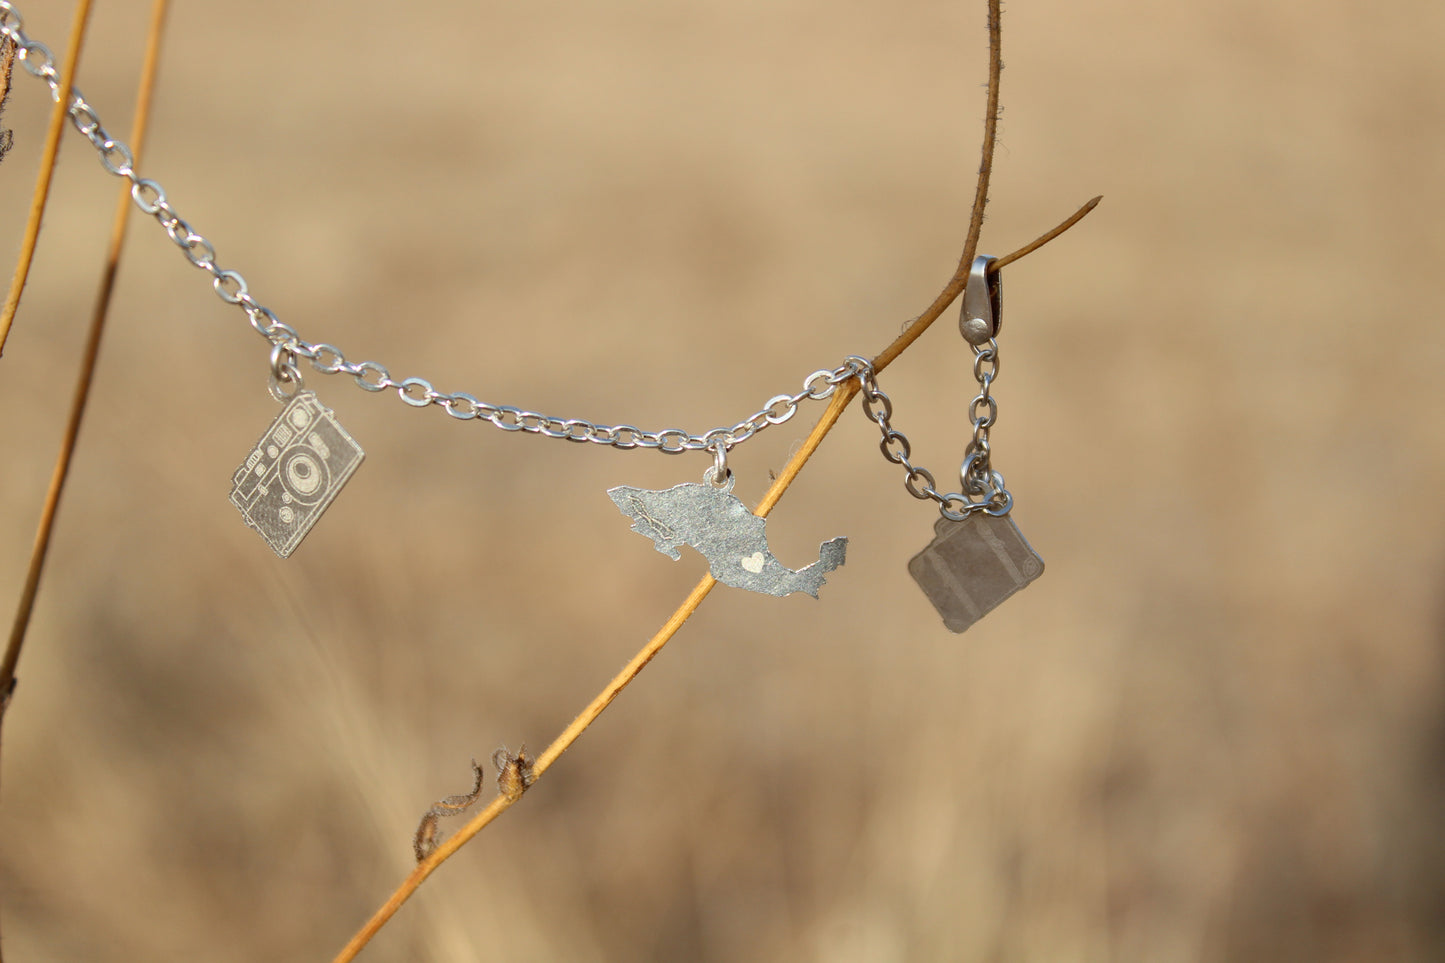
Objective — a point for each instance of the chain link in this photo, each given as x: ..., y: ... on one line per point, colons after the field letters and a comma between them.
x: 983, y: 487
x: 371, y: 376
x: 231, y: 287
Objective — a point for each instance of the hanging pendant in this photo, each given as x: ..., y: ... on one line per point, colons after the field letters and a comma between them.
x: 294, y: 472
x: 719, y: 526
x: 972, y: 566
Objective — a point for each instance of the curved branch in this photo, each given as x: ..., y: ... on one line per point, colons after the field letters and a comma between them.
x: 587, y: 716
x: 846, y: 392
x: 144, y: 95
x: 90, y: 355
x: 836, y: 406
x: 998, y: 263
x: 955, y: 284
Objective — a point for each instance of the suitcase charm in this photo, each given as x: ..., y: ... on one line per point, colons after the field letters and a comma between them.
x: 972, y: 566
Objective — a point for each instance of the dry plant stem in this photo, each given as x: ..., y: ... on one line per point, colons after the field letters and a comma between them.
x: 955, y: 284
x: 22, y: 270
x: 144, y: 95
x: 91, y: 352
x: 825, y: 424
x: 587, y: 716
x: 47, y: 168
x: 998, y: 264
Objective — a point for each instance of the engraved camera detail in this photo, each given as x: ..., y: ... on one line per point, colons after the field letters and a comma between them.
x: 972, y: 566
x: 294, y: 472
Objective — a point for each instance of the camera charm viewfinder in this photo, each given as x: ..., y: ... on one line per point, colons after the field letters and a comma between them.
x: 295, y: 471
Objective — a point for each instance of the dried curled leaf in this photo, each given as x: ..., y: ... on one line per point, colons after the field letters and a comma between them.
x: 7, y: 64
x: 427, y: 837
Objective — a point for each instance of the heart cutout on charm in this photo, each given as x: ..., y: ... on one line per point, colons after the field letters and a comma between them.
x: 753, y: 563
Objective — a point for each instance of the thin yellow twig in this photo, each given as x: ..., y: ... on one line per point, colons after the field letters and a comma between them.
x: 144, y: 94
x: 998, y: 264
x: 47, y: 168
x: 841, y: 398
x: 825, y: 424
x: 955, y: 284
x: 501, y: 803
x: 587, y: 716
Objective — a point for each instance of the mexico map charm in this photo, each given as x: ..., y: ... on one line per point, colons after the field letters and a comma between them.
x: 294, y: 472
x: 733, y: 540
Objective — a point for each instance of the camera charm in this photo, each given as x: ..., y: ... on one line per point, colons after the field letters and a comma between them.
x: 297, y: 467
x: 978, y: 556
x: 711, y: 519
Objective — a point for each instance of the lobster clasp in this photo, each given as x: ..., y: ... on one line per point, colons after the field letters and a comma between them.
x: 982, y: 314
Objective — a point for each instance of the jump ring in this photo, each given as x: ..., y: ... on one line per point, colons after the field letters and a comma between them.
x: 283, y: 373
x: 720, y: 470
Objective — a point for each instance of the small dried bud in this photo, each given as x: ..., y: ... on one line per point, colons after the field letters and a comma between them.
x: 514, y: 773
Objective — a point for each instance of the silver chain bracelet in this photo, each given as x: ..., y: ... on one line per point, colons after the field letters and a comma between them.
x: 296, y: 469
x: 148, y: 195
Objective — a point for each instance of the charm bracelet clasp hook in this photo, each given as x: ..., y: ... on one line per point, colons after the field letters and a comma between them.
x: 982, y: 314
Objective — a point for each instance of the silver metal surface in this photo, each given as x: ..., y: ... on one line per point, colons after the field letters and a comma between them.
x: 972, y: 566
x: 719, y: 526
x: 982, y: 313
x: 286, y: 381
x: 294, y: 472
x: 721, y: 476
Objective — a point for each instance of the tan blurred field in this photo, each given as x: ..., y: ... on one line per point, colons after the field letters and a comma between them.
x: 1213, y: 731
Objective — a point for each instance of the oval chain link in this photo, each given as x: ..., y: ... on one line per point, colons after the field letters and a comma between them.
x: 231, y: 287
x: 983, y: 487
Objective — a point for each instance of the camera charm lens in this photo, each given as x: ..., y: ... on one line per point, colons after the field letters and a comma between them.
x: 297, y: 467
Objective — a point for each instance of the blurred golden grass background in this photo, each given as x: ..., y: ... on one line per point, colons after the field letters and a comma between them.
x: 1212, y: 731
